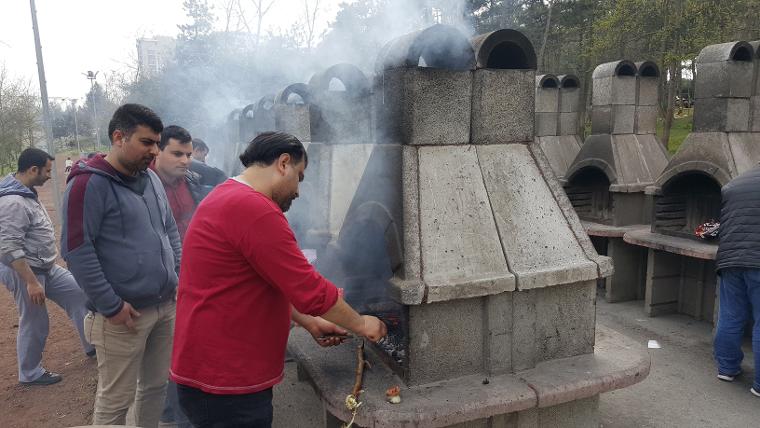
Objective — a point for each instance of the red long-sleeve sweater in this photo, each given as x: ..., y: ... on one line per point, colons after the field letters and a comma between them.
x: 241, y: 270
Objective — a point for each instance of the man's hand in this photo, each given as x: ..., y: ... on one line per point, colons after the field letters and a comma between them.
x: 125, y: 316
x: 373, y: 329
x: 325, y: 333
x: 36, y: 292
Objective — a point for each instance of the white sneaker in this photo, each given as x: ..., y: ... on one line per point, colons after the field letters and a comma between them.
x: 728, y: 378
x: 754, y: 392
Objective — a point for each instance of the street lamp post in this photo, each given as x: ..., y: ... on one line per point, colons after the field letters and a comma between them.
x: 76, y: 125
x: 91, y: 76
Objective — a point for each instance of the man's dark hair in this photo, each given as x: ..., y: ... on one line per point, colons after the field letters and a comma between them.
x: 268, y: 146
x: 33, y: 157
x: 129, y: 116
x: 173, y: 131
x: 199, y: 144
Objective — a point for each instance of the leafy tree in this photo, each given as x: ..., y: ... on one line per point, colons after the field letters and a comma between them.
x: 19, y: 118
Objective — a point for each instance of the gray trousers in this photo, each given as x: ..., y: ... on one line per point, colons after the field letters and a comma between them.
x: 33, y: 324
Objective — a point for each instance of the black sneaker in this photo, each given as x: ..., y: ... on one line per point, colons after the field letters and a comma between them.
x: 47, y: 378
x: 754, y: 392
x: 92, y: 354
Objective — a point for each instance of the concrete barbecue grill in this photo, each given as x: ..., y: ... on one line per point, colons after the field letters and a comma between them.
x: 681, y: 268
x: 339, y: 149
x: 292, y: 111
x: 232, y: 148
x: 474, y: 255
x: 558, y: 115
x: 606, y: 181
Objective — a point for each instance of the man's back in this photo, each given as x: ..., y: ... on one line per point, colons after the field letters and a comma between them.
x: 740, y: 222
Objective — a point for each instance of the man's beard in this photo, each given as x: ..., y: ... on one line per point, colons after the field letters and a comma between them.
x: 285, y: 206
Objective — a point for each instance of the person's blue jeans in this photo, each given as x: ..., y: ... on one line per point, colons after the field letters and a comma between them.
x: 739, y: 305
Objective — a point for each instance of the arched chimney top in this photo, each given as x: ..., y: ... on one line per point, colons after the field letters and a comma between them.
x: 569, y: 81
x: 615, y: 68
x: 731, y: 51
x: 439, y: 46
x: 546, y: 81
x: 353, y: 79
x: 648, y: 69
x: 248, y: 110
x: 300, y: 89
x: 234, y: 115
x: 504, y: 49
x: 265, y: 103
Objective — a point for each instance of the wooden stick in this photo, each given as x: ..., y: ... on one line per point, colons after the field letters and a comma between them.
x: 359, y: 370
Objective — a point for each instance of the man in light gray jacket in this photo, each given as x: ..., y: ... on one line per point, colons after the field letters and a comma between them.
x: 27, y: 254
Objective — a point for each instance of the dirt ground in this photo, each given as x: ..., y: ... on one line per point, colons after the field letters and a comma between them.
x: 68, y: 403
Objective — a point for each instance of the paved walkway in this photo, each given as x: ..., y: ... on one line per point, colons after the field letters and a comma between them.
x: 681, y: 390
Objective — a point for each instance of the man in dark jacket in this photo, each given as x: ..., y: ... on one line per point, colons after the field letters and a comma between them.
x: 210, y: 176
x: 122, y: 245
x: 28, y: 253
x: 185, y: 191
x: 738, y: 264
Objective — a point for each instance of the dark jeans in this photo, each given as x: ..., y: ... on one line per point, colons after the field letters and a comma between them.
x: 739, y: 305
x: 226, y: 411
x: 172, y: 412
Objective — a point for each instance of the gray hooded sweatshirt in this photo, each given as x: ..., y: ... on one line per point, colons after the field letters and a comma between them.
x: 119, y: 237
x: 25, y: 227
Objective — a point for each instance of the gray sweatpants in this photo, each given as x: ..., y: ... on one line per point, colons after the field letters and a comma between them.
x: 33, y: 324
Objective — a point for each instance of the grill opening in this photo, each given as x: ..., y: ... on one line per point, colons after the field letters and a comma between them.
x: 295, y: 99
x: 742, y: 53
x: 549, y: 82
x: 589, y: 192
x: 336, y: 85
x: 362, y: 262
x: 441, y: 46
x: 649, y: 70
x: 570, y: 82
x: 508, y: 55
x: 687, y: 201
x: 626, y: 70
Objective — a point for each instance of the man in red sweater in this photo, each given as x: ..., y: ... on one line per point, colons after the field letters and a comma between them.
x: 242, y: 279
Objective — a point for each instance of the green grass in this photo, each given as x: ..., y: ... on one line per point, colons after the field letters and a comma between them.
x: 680, y: 129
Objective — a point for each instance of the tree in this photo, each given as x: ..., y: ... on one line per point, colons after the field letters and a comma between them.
x: 311, y: 20
x: 262, y: 8
x: 19, y: 118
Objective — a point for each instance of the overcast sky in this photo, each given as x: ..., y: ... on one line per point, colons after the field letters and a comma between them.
x: 81, y: 35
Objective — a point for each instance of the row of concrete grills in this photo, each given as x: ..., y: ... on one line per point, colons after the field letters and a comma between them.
x: 641, y: 208
x: 442, y: 194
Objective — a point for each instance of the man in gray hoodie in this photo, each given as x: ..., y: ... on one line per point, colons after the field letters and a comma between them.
x: 27, y: 266
x: 122, y: 245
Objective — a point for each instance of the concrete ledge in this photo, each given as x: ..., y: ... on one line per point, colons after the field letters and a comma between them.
x: 616, y: 363
x: 473, y: 287
x: 609, y: 231
x: 672, y: 244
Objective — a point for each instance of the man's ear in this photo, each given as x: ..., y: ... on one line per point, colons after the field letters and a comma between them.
x: 283, y: 161
x: 117, y: 137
